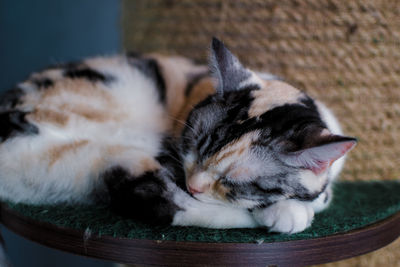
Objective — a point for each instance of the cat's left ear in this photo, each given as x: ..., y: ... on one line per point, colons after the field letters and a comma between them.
x: 320, y: 156
x: 226, y: 68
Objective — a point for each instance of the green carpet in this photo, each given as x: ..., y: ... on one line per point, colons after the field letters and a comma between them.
x: 356, y: 204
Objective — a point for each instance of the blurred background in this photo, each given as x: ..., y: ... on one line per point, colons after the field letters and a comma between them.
x: 33, y: 35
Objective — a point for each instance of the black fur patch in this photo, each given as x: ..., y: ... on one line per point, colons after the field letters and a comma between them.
x: 193, y: 80
x: 292, y: 122
x: 252, y: 191
x: 11, y: 98
x: 170, y: 158
x: 87, y: 73
x: 327, y: 196
x: 133, y: 54
x: 288, y: 122
x: 150, y: 68
x: 43, y: 83
x: 229, y: 71
x: 231, y: 127
x: 144, y: 198
x: 267, y: 195
x: 304, y: 194
x: 13, y: 123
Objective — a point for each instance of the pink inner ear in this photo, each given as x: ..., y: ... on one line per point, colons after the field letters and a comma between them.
x: 319, y: 158
x: 323, y: 166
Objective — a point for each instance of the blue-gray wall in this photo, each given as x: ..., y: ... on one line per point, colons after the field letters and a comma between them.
x: 37, y: 33
x: 34, y: 34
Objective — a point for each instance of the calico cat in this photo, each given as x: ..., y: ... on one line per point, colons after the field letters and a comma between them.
x: 166, y: 142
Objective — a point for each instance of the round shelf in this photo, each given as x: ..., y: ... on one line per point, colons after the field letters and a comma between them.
x: 173, y: 253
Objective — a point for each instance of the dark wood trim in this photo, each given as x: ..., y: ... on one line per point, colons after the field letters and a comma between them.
x: 170, y: 253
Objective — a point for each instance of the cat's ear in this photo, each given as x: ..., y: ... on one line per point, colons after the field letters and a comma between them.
x: 322, y: 154
x: 226, y: 68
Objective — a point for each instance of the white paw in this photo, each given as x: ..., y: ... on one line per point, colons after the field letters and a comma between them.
x: 322, y: 201
x: 286, y: 216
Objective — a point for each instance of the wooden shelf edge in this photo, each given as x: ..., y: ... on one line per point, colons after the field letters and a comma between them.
x: 173, y: 253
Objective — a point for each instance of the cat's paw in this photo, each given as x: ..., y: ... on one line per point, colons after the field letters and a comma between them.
x: 286, y: 216
x: 322, y: 201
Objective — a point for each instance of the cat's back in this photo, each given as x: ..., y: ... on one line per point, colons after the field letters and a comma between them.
x: 64, y: 125
x: 100, y: 91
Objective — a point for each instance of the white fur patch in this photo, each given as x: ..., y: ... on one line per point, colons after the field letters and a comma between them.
x: 322, y: 201
x: 311, y: 181
x: 286, y: 216
x: 202, y: 214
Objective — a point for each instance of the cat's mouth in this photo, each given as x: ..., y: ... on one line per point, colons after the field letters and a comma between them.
x: 193, y: 191
x: 206, y: 198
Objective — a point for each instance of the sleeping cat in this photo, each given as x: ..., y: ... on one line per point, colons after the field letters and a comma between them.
x: 167, y: 142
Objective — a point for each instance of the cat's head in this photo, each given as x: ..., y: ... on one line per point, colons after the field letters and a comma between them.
x: 256, y: 141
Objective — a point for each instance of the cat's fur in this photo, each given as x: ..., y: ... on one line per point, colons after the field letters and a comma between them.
x: 254, y: 152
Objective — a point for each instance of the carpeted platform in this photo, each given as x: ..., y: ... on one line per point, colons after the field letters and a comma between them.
x: 356, y: 204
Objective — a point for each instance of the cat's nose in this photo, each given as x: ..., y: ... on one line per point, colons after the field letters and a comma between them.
x: 194, y: 191
x: 198, y: 183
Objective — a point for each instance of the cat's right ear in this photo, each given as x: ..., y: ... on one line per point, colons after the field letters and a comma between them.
x: 319, y: 157
x: 226, y: 68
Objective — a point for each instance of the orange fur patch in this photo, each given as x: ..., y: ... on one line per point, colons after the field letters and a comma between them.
x: 219, y: 190
x: 88, y: 113
x: 228, y: 157
x: 57, y: 152
x: 219, y: 158
x: 50, y: 116
x: 149, y: 164
x: 175, y: 72
x: 273, y: 94
x: 79, y: 87
x: 116, y: 149
x: 202, y: 89
x: 80, y: 97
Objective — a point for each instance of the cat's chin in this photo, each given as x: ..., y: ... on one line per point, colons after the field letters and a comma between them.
x: 205, y: 198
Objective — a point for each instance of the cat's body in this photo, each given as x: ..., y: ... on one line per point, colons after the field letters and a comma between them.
x: 124, y: 127
x: 88, y: 117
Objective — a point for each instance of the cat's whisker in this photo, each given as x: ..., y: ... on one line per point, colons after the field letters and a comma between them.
x: 175, y: 158
x: 181, y: 122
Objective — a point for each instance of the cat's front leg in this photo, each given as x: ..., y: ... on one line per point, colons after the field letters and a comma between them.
x: 196, y: 213
x: 285, y: 216
x: 322, y: 201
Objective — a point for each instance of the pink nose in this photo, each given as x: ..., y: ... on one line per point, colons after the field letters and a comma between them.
x: 194, y: 191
